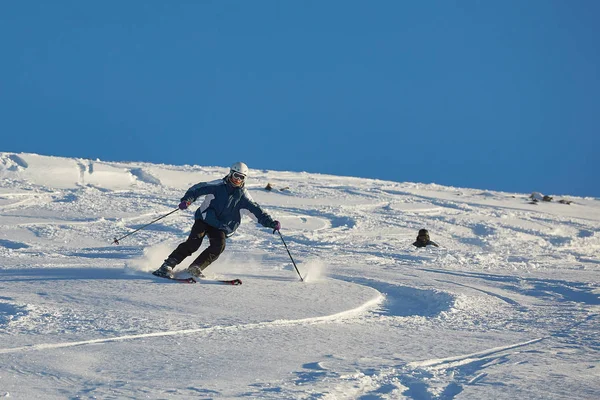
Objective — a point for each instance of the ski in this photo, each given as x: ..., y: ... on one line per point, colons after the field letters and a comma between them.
x: 181, y: 280
x: 233, y: 282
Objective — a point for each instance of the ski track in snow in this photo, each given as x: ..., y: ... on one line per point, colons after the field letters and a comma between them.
x: 338, y: 317
x: 415, y: 379
x: 507, y: 307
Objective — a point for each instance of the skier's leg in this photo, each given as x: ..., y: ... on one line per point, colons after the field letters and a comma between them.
x: 192, y: 244
x: 185, y: 249
x: 211, y: 253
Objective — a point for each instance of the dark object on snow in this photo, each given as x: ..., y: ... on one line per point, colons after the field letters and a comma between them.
x: 565, y: 201
x: 423, y: 239
x: 536, y: 196
x: 270, y: 187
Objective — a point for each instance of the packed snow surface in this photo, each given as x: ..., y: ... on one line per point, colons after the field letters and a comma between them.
x: 507, y: 307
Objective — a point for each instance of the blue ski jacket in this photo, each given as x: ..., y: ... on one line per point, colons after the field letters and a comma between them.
x: 223, y: 204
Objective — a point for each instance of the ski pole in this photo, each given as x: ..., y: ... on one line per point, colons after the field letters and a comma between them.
x: 116, y: 241
x: 288, y: 251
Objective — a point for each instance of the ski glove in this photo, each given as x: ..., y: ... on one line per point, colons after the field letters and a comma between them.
x: 276, y: 225
x: 184, y: 204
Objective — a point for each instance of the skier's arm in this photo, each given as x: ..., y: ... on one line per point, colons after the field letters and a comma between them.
x: 261, y: 215
x: 198, y: 190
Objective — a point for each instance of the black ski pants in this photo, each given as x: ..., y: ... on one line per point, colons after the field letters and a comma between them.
x: 216, y: 246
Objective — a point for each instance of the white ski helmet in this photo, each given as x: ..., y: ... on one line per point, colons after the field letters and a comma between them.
x: 237, y: 174
x: 239, y: 167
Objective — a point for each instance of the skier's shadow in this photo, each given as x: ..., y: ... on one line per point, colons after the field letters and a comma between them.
x: 68, y: 274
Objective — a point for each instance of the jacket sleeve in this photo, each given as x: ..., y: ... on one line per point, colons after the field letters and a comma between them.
x: 199, y: 189
x: 261, y: 215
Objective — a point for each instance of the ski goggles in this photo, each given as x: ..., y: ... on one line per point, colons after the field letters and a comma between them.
x: 238, y: 176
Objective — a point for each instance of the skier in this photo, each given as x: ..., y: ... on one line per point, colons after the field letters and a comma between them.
x: 423, y: 239
x: 218, y: 217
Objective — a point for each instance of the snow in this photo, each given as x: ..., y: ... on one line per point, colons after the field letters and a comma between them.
x: 508, y: 306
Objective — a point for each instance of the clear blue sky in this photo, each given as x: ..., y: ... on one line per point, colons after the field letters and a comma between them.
x: 500, y: 95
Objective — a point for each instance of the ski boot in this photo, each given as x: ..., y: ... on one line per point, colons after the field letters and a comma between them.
x: 195, y: 271
x: 166, y: 269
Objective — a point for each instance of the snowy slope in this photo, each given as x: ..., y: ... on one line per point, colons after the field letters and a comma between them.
x: 508, y: 306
